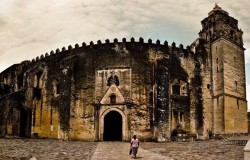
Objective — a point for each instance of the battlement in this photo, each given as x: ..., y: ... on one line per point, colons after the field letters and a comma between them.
x: 65, y: 51
x: 132, y: 41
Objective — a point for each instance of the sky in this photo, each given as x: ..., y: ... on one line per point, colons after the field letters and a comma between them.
x: 30, y: 28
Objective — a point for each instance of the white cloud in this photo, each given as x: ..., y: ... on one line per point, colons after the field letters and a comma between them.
x: 33, y: 27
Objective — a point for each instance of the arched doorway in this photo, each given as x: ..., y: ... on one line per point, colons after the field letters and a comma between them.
x: 25, y: 123
x: 112, y: 126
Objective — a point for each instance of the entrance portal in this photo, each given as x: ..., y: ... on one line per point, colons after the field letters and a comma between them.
x: 112, y: 126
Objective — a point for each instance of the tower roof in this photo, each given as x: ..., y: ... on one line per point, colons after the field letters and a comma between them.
x: 217, y: 8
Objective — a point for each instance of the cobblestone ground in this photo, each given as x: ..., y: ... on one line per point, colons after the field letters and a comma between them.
x: 45, y: 149
x: 197, y: 150
x: 120, y: 151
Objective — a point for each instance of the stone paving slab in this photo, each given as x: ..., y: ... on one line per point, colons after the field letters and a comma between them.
x: 120, y: 151
x: 197, y: 150
x: 45, y: 149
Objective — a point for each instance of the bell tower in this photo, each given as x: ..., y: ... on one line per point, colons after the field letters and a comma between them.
x: 228, y: 84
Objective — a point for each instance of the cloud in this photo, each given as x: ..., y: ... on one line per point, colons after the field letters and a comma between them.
x: 33, y: 27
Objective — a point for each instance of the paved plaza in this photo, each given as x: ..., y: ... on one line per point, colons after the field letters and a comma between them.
x: 44, y: 149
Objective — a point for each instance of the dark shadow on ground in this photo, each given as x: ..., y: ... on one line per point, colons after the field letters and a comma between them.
x: 137, y: 157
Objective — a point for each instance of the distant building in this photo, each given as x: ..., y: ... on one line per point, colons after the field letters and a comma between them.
x: 111, y: 91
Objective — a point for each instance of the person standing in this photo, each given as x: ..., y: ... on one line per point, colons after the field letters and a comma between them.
x: 134, y: 145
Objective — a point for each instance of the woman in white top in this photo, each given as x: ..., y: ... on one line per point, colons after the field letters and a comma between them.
x: 134, y: 145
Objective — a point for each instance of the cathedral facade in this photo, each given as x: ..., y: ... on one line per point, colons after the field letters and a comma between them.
x: 114, y: 90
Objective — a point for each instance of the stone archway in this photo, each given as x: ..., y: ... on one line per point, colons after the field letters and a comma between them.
x: 112, y: 126
x: 25, y: 123
x: 106, y: 118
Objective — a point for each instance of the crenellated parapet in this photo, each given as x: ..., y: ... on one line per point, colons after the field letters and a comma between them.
x: 77, y: 48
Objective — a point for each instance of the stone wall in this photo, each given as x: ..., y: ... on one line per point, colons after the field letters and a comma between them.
x: 229, y: 88
x: 235, y: 115
x: 157, y: 89
x: 68, y: 92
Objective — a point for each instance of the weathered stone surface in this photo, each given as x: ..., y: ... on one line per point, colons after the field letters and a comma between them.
x: 205, y: 150
x: 56, y: 149
x: 45, y: 149
x: 157, y: 90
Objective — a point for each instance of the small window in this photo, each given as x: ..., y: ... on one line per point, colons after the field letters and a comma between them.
x: 208, y: 86
x: 236, y: 85
x: 238, y: 104
x: 113, y: 99
x: 58, y: 88
x: 176, y: 89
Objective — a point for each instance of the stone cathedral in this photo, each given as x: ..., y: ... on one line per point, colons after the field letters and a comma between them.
x: 110, y: 91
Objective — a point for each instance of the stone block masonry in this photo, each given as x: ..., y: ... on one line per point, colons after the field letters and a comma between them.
x: 111, y: 91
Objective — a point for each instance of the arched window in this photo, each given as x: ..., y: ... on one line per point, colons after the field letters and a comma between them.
x: 179, y: 87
